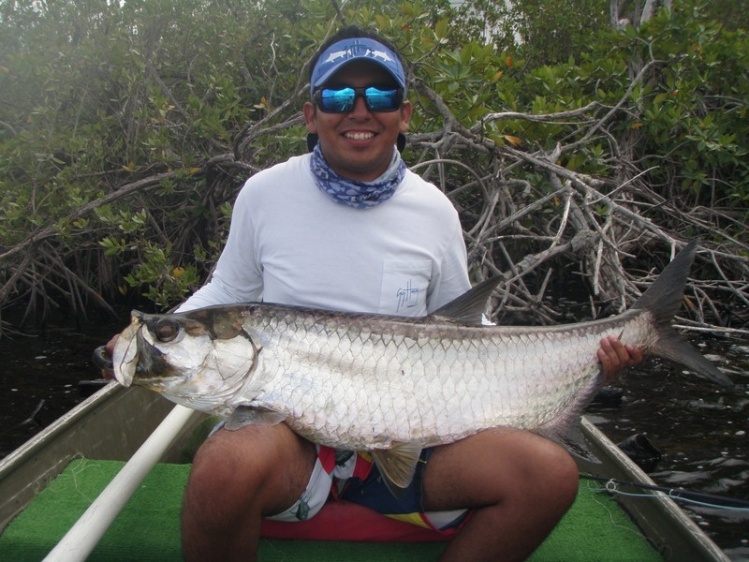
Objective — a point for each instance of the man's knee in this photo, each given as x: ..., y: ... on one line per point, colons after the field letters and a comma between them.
x: 261, y: 469
x: 538, y: 471
x: 550, y: 478
x: 564, y: 476
x: 218, y: 475
x: 221, y: 512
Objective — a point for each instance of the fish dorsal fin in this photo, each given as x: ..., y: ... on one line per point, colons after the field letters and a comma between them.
x: 249, y: 415
x: 469, y: 307
x: 397, y: 465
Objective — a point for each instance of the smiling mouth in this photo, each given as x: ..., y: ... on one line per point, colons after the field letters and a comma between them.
x: 359, y: 136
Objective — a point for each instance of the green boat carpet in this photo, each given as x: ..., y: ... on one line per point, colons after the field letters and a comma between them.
x: 595, y: 529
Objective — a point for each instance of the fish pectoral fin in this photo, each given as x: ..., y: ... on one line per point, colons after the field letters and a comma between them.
x: 397, y: 465
x: 249, y: 415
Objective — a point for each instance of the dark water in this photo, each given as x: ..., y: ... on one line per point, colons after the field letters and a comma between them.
x: 40, y: 375
x: 702, y: 430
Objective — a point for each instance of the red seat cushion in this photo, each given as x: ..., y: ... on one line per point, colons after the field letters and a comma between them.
x: 346, y: 521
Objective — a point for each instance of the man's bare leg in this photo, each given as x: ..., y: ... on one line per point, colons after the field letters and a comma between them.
x: 237, y: 478
x: 519, y: 484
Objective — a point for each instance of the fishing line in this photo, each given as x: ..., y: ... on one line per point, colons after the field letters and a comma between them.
x: 612, y: 485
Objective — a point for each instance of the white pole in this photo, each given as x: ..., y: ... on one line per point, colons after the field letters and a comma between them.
x: 83, y: 537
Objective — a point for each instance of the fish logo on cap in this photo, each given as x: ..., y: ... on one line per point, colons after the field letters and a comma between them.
x: 348, y: 50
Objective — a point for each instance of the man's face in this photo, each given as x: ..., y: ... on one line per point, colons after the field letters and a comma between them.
x: 358, y: 145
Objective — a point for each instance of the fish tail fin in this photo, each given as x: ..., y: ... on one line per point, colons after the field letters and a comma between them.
x: 671, y: 346
x: 663, y: 299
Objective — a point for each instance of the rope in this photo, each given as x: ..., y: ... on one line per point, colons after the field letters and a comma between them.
x: 712, y: 501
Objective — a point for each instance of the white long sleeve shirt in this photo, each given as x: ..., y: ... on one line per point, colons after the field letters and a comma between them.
x: 290, y: 243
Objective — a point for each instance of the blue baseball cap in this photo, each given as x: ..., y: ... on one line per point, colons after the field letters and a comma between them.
x: 343, y: 52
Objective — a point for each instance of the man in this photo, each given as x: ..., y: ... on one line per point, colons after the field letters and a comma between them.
x: 349, y: 227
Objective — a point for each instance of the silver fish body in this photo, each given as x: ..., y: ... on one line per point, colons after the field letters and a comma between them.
x: 393, y: 385
x: 367, y: 383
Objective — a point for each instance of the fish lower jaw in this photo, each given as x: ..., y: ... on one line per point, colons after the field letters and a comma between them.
x: 125, y: 379
x: 154, y: 384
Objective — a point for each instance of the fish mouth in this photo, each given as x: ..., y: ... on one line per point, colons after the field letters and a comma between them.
x: 135, y: 360
x: 102, y: 359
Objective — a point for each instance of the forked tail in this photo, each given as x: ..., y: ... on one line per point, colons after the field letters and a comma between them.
x: 663, y: 299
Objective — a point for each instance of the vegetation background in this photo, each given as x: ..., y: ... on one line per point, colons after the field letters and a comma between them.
x: 583, y: 142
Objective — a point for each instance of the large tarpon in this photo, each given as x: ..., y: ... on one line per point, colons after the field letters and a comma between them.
x: 393, y: 385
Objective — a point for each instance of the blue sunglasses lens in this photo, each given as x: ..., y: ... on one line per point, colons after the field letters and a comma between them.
x: 382, y: 100
x: 342, y: 100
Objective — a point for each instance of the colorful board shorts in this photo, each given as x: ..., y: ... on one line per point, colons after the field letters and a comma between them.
x: 355, y: 478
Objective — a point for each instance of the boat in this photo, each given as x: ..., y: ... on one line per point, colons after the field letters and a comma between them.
x: 104, y: 482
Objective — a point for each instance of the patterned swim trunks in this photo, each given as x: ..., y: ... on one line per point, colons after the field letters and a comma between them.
x: 355, y: 478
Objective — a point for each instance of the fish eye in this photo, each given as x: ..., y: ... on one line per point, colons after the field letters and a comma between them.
x: 166, y: 330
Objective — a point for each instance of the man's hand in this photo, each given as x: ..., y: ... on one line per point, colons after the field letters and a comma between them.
x: 615, y: 356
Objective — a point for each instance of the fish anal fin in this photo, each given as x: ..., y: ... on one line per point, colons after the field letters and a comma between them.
x: 249, y: 415
x: 575, y: 443
x: 572, y: 439
x: 397, y: 465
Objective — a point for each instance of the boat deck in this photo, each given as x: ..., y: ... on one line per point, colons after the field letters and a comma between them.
x: 595, y: 529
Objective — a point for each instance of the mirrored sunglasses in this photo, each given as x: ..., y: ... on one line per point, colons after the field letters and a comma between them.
x: 342, y: 100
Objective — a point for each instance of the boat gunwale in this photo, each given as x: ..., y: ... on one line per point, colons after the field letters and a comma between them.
x: 656, y: 514
x: 27, y: 470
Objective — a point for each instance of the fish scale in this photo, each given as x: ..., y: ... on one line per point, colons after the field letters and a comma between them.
x: 393, y: 385
x: 451, y: 386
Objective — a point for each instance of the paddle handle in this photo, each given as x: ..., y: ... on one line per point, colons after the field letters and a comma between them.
x: 84, y: 535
